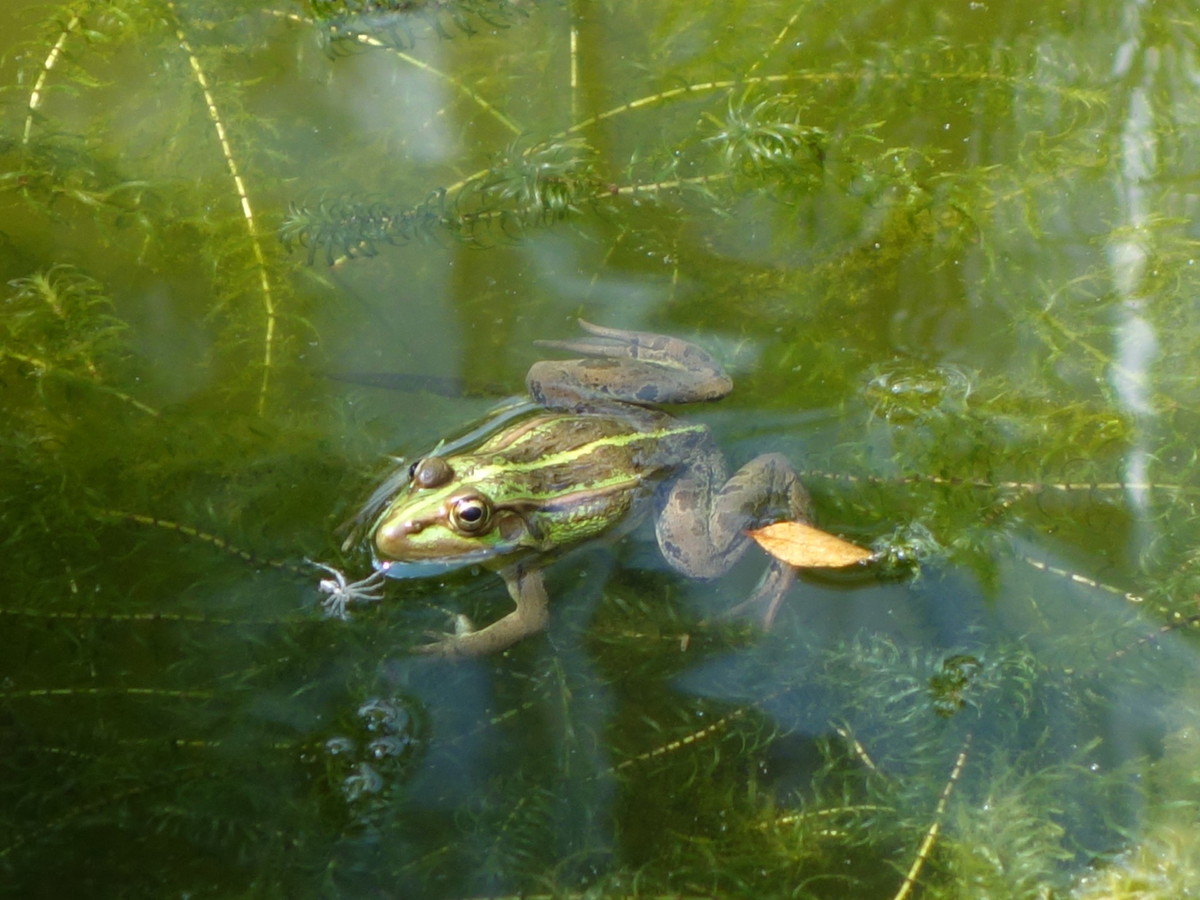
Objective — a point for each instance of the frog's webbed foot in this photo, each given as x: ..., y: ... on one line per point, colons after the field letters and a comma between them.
x: 766, y: 598
x: 531, y: 615
x: 616, y: 343
x: 630, y: 366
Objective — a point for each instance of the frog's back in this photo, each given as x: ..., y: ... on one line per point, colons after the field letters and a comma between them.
x: 563, y: 448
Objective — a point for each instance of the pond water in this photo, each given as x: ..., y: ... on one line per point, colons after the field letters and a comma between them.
x: 947, y: 252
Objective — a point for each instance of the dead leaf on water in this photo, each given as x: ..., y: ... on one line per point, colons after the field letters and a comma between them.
x: 806, y: 547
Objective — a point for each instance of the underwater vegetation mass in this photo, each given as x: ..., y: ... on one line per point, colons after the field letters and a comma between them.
x: 948, y: 253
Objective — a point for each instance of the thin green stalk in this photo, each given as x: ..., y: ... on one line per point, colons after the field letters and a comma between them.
x: 46, y: 368
x: 939, y: 812
x: 39, y: 86
x: 466, y: 90
x: 779, y: 38
x: 256, y: 242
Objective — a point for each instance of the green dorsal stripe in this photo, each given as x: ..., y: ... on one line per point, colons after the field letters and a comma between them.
x: 573, y: 454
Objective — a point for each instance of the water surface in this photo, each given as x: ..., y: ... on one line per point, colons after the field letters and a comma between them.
x: 948, y: 253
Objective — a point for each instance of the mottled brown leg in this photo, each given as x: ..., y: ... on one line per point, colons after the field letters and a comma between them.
x: 631, y: 366
x: 703, y: 521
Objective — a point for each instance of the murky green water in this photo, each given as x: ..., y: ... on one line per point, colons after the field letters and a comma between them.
x: 948, y: 252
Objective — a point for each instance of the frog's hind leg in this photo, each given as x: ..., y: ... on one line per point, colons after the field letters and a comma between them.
x: 703, y: 520
x: 767, y: 596
x: 629, y: 366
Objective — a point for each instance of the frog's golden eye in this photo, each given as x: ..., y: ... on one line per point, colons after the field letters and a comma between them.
x: 470, y: 514
x: 430, y: 472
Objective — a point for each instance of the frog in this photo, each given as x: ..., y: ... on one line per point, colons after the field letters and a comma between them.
x: 587, y: 456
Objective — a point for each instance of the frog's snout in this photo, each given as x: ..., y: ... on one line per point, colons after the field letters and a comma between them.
x: 392, y: 536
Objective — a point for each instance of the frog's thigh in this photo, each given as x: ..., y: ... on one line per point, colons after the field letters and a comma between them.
x: 702, y: 524
x: 683, y: 523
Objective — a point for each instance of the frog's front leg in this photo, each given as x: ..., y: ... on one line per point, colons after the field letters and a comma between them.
x: 703, y: 519
x: 528, y: 591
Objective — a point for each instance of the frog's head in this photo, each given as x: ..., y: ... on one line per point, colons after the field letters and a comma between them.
x: 537, y: 487
x: 451, y: 514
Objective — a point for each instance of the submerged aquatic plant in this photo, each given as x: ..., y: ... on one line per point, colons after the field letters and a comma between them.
x: 766, y: 139
x: 60, y: 319
x: 524, y: 188
x: 400, y: 24
x: 951, y: 264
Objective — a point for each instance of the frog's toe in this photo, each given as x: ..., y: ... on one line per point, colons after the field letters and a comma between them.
x: 764, y: 602
x: 444, y: 642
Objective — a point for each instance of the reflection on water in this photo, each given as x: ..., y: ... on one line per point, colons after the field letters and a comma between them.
x: 249, y: 253
x: 1135, y: 339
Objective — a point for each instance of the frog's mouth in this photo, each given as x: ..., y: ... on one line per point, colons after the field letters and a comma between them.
x: 426, y: 568
x: 394, y: 569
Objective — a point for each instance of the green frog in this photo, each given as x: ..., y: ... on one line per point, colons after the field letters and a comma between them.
x: 592, y: 453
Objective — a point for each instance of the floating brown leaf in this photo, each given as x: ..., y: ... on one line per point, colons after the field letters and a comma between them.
x: 806, y: 547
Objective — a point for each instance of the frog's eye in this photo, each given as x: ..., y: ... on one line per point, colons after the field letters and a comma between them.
x: 470, y: 514
x: 430, y: 472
